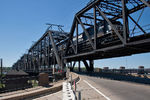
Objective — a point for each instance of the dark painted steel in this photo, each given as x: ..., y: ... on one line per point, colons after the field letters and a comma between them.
x: 58, y: 49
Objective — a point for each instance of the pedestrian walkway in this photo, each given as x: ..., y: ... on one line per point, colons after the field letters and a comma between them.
x: 54, y: 96
x: 87, y: 93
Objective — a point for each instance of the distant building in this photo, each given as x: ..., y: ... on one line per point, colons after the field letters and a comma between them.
x: 16, y: 80
x: 122, y: 70
x: 141, y: 70
x: 106, y: 69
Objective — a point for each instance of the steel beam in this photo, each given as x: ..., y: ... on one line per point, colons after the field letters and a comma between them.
x: 88, y: 7
x: 137, y: 24
x: 48, y: 52
x: 109, y: 22
x: 130, y: 11
x: 38, y: 57
x: 71, y: 35
x: 125, y: 21
x: 55, y: 50
x: 146, y: 3
x: 137, y: 21
x: 90, y: 17
x: 73, y: 46
x: 95, y: 29
x: 86, y: 32
x: 77, y: 37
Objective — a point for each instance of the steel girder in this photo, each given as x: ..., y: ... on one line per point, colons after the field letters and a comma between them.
x: 104, y: 8
x: 44, y: 54
x: 109, y: 10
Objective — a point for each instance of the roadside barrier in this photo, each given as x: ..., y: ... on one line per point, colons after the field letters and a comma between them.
x: 68, y: 93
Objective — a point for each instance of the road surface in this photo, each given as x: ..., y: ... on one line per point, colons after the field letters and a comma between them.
x: 95, y: 88
x: 117, y: 90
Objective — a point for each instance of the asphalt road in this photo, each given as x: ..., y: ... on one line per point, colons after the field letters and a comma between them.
x: 119, y: 90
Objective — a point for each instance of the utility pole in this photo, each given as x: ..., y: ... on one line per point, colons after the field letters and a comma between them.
x: 1, y: 67
x: 1, y: 60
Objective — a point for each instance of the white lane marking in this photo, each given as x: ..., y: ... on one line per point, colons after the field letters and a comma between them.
x: 97, y: 90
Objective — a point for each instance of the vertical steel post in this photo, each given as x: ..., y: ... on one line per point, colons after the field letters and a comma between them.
x: 30, y: 61
x: 45, y: 58
x: 48, y: 52
x: 79, y: 95
x: 75, y: 86
x: 125, y: 21
x: 76, y: 37
x: 27, y: 62
x: 24, y: 60
x: 41, y: 60
x: 95, y: 29
x: 33, y: 59
x: 38, y: 57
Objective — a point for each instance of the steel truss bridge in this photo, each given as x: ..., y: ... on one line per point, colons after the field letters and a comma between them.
x: 85, y: 42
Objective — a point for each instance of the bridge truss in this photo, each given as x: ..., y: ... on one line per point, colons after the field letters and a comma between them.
x: 100, y: 30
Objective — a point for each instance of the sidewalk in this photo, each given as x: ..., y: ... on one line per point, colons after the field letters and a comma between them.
x: 54, y: 96
x: 87, y: 93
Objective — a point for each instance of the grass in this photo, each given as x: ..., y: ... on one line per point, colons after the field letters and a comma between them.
x: 33, y: 82
x: 2, y: 85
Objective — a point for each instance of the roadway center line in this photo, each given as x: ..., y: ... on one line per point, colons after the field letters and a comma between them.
x: 97, y: 90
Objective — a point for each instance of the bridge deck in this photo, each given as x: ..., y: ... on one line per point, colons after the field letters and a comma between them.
x: 138, y: 44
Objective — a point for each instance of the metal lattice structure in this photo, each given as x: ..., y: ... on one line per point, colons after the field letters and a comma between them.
x: 44, y: 54
x: 99, y: 30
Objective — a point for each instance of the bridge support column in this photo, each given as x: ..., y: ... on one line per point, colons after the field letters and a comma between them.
x: 91, y: 65
x: 79, y: 68
x: 71, y: 66
x: 86, y: 65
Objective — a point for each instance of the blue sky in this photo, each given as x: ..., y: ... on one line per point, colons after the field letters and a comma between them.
x: 23, y: 21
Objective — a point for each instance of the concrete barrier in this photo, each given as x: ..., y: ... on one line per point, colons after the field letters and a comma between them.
x: 68, y: 93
